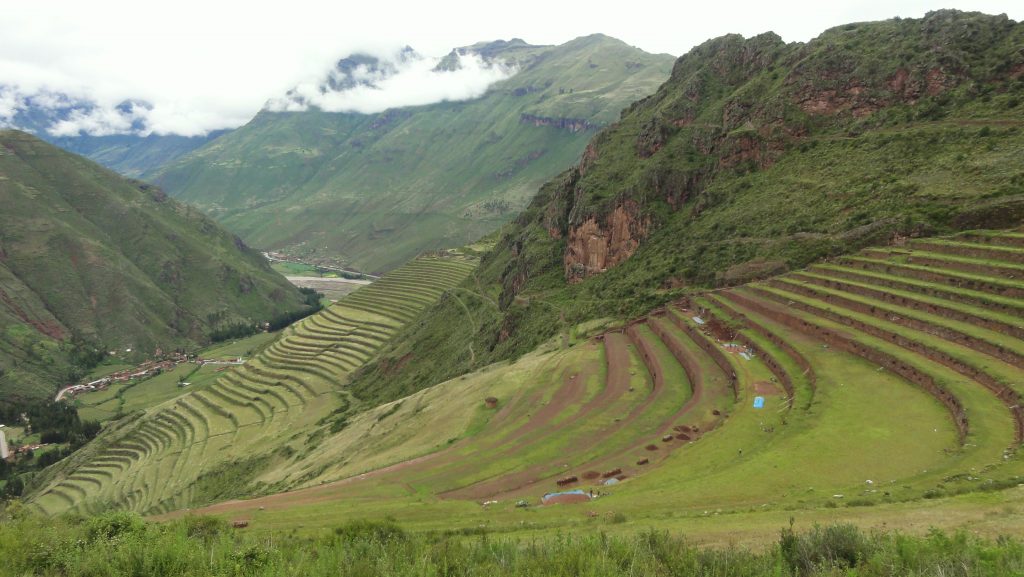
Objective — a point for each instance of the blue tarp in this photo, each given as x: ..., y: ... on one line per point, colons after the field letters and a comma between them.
x: 550, y: 496
x: 573, y: 492
x: 758, y: 402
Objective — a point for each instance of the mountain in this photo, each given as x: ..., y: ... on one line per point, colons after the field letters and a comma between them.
x: 131, y: 151
x: 754, y: 158
x: 376, y: 189
x: 133, y: 155
x: 92, y: 262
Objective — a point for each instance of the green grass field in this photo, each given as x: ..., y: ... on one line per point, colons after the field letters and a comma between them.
x: 122, y: 544
x: 295, y: 268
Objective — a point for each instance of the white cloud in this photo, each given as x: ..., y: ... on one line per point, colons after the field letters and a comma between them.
x: 10, y: 103
x: 414, y: 82
x: 100, y: 121
x: 206, y: 65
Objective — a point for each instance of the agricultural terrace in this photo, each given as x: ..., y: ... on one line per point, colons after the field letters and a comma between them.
x: 123, y: 397
x: 891, y: 375
x: 251, y: 423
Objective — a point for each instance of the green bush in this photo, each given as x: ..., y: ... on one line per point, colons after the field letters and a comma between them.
x: 114, y: 525
x: 204, y: 528
x: 835, y: 546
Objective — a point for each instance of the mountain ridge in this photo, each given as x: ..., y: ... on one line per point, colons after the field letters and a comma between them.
x: 93, y: 262
x: 378, y: 189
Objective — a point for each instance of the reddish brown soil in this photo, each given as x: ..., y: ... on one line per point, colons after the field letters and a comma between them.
x: 698, y: 381
x: 617, y: 384
x: 617, y: 458
x: 765, y: 388
x: 335, y: 490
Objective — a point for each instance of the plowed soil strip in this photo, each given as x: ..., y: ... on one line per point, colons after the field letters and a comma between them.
x: 700, y: 390
x: 616, y: 385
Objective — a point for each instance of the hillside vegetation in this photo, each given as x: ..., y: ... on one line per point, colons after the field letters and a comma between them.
x: 132, y: 155
x: 786, y: 287
x: 260, y: 426
x: 375, y: 190
x: 91, y: 262
x: 755, y: 157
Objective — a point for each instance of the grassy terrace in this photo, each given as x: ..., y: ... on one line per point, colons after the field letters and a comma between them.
x: 240, y: 427
x: 873, y: 387
x: 869, y: 395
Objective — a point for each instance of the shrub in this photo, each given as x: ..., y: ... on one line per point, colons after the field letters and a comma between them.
x: 114, y: 525
x: 836, y: 546
x: 251, y: 558
x: 203, y: 528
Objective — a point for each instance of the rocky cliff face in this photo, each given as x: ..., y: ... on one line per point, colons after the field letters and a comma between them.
x: 569, y: 124
x: 593, y: 247
x: 737, y: 105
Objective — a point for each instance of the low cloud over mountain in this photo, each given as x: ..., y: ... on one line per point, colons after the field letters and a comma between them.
x: 369, y: 84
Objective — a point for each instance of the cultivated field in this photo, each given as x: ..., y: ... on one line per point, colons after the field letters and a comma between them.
x: 884, y: 385
x: 874, y: 380
x: 253, y: 424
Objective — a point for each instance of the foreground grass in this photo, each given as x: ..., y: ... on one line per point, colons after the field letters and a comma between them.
x: 123, y: 544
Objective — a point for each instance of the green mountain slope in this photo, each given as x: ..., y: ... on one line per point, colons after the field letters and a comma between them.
x: 133, y: 155
x: 378, y: 189
x: 756, y: 157
x: 90, y: 262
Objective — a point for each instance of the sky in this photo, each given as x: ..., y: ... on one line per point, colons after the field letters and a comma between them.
x: 202, y: 65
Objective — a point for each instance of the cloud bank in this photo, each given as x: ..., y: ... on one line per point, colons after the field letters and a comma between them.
x: 200, y: 66
x: 396, y: 82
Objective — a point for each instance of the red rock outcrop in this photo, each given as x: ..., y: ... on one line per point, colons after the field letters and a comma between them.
x: 593, y: 247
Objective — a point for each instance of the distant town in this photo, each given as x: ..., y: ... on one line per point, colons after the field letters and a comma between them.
x: 145, y: 370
